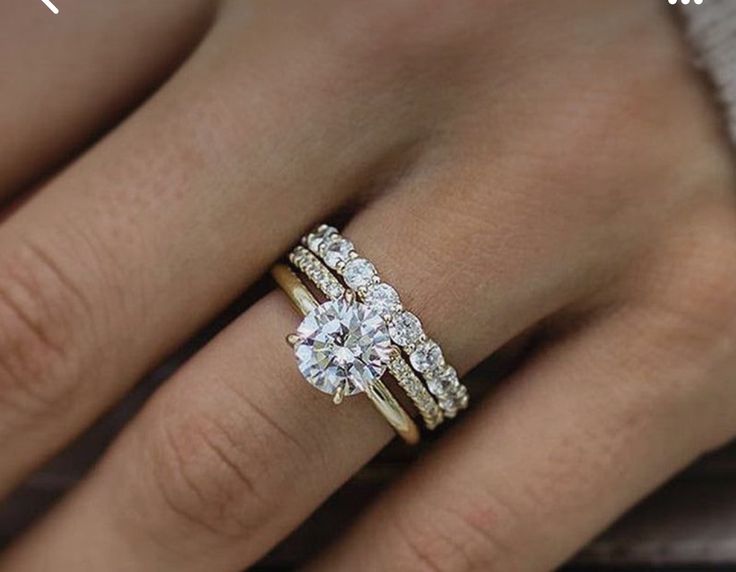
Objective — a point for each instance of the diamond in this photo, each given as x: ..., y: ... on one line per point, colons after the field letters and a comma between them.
x: 359, y: 273
x: 342, y: 343
x: 451, y: 405
x: 405, y: 328
x: 333, y: 289
x: 443, y: 382
x: 336, y: 250
x: 382, y: 298
x: 316, y: 238
x: 426, y: 357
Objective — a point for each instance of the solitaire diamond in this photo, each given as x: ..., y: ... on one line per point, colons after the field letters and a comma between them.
x: 342, y: 343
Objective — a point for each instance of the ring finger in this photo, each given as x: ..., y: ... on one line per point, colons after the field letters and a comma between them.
x: 236, y: 449
x: 111, y: 264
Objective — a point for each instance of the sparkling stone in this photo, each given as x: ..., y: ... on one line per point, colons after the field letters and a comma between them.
x: 426, y: 357
x: 449, y: 408
x: 359, y: 273
x: 336, y: 249
x: 316, y: 238
x: 382, y: 298
x: 342, y: 342
x: 405, y: 328
x: 451, y: 405
x: 333, y: 289
x: 443, y: 382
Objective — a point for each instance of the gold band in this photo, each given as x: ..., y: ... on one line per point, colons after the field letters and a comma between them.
x: 377, y: 392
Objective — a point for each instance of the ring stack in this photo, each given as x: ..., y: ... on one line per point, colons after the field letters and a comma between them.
x: 325, y: 282
x: 405, y: 329
x: 345, y: 344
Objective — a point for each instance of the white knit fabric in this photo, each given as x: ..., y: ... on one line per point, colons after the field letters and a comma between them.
x: 712, y: 31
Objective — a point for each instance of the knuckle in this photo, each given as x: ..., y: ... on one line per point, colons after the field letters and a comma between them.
x: 694, y: 288
x: 683, y: 308
x: 222, y: 471
x: 202, y: 478
x: 459, y: 536
x: 40, y: 313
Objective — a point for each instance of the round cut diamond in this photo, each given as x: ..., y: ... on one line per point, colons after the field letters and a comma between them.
x: 359, y: 273
x: 426, y: 357
x: 336, y: 250
x: 405, y: 328
x: 451, y: 405
x: 342, y: 343
x: 382, y: 298
x: 443, y: 382
x: 316, y: 238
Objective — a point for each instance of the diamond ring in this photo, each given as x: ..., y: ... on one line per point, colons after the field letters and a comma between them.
x: 405, y: 329
x: 343, y: 347
x: 323, y: 279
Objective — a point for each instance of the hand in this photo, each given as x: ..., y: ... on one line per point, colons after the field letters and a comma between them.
x: 509, y: 166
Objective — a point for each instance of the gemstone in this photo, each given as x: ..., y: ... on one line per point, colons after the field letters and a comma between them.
x: 333, y: 289
x: 316, y: 238
x: 426, y: 356
x: 342, y: 343
x: 382, y: 298
x: 443, y: 382
x: 405, y: 328
x: 359, y: 273
x: 451, y: 405
x: 336, y: 250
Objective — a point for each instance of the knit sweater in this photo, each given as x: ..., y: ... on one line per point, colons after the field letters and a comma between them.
x: 711, y: 27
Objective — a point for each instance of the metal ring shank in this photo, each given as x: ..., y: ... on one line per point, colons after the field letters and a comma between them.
x: 377, y: 392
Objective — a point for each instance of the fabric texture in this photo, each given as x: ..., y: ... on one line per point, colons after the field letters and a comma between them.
x: 711, y: 28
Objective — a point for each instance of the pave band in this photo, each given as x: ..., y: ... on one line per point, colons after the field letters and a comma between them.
x: 369, y: 377
x: 325, y: 281
x: 405, y: 329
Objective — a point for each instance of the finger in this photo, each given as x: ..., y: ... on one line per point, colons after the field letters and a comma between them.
x: 441, y: 250
x: 145, y: 238
x: 568, y: 443
x: 67, y: 77
x: 237, y: 449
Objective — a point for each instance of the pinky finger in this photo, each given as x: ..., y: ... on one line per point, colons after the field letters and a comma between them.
x: 568, y: 444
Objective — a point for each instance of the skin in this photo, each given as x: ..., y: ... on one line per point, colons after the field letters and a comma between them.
x: 508, y: 166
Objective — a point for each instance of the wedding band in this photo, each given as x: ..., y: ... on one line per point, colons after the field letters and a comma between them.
x: 405, y: 329
x: 314, y: 269
x: 343, y: 348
